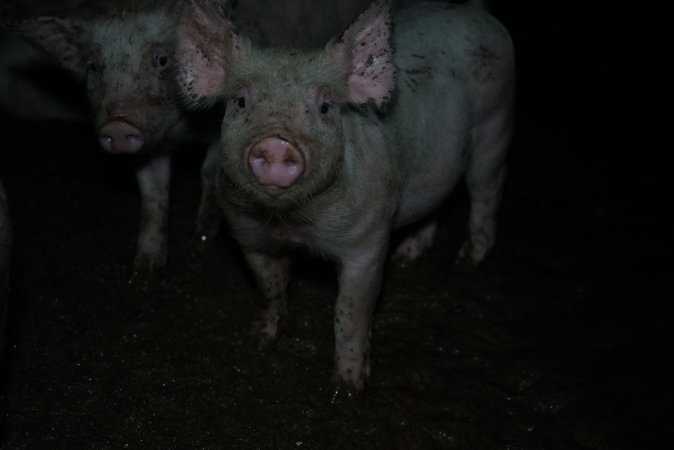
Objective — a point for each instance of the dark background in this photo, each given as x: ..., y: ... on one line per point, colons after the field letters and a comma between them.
x: 560, y: 340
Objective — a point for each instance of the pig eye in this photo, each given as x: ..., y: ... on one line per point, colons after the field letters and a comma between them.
x: 324, y: 101
x: 239, y: 101
x: 160, y: 60
x: 325, y: 108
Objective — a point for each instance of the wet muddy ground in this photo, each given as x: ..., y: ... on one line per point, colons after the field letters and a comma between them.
x: 560, y: 340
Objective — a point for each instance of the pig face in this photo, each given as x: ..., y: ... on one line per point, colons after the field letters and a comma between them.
x: 127, y: 64
x: 282, y: 135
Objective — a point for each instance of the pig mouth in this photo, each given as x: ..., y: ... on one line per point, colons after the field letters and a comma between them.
x: 276, y: 163
x: 120, y: 136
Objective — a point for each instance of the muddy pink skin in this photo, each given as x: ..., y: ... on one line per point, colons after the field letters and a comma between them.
x: 276, y: 163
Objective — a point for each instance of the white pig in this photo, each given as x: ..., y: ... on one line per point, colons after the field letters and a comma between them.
x: 331, y: 150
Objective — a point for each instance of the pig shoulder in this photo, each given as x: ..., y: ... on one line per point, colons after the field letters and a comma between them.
x: 366, y: 195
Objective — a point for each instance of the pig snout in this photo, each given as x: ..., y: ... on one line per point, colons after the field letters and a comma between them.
x: 120, y: 136
x: 276, y: 162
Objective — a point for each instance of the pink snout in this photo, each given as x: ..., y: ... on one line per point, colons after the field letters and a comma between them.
x: 119, y: 136
x: 275, y: 162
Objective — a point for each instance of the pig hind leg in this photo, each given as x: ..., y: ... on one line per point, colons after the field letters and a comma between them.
x: 416, y: 244
x: 485, y: 175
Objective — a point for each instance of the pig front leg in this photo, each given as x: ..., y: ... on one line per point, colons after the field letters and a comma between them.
x: 153, y: 182
x: 272, y: 276
x: 359, y: 286
x: 209, y: 216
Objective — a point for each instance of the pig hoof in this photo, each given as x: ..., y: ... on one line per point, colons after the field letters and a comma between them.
x: 343, y: 392
x: 149, y: 262
x: 469, y: 257
x: 262, y: 337
x: 143, y: 280
x: 407, y: 251
x: 415, y: 245
x: 262, y: 343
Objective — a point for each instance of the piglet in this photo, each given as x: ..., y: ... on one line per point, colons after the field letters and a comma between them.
x: 126, y: 61
x: 332, y: 150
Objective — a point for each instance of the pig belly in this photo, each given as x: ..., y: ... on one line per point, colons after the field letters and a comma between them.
x: 425, y: 193
x: 431, y: 152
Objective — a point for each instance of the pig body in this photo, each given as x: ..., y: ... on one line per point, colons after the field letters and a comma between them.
x: 333, y: 150
x: 125, y: 60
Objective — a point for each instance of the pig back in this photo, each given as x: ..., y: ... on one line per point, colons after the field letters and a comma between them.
x: 454, y: 68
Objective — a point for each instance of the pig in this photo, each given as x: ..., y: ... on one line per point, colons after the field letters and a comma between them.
x: 332, y: 150
x: 5, y: 256
x: 125, y: 60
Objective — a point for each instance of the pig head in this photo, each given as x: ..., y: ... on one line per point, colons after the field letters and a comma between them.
x: 125, y: 62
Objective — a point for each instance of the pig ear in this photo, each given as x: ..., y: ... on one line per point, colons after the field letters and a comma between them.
x: 207, y: 42
x: 365, y: 47
x: 58, y: 37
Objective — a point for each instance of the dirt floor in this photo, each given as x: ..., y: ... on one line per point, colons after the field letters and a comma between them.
x: 560, y: 340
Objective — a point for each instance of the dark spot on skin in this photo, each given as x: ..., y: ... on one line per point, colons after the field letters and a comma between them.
x: 483, y: 52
